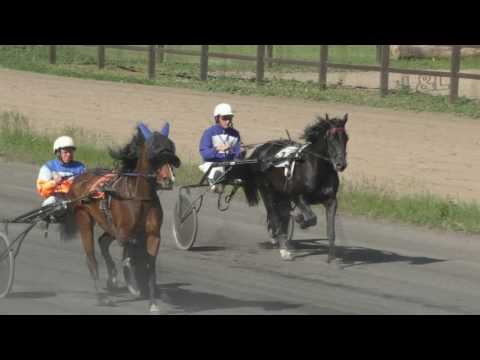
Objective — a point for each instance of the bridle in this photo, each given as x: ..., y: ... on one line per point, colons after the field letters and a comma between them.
x: 148, y: 176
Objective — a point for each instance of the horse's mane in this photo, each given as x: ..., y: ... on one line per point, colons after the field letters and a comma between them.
x: 158, y: 147
x: 320, y: 126
x: 128, y: 155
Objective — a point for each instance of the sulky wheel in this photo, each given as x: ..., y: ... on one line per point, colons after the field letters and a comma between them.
x: 185, y: 223
x: 7, y: 266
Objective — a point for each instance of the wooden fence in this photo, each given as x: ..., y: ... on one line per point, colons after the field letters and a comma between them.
x: 265, y: 57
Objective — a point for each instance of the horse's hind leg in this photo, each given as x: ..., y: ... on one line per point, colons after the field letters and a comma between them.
x: 104, y: 241
x: 278, y: 212
x: 282, y: 206
x: 85, y: 223
x: 272, y: 220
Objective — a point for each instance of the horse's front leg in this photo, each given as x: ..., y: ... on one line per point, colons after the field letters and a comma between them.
x: 153, y: 225
x: 303, y: 213
x: 330, y: 212
x: 85, y: 223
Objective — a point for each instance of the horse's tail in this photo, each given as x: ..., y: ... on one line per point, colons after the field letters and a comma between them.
x: 68, y: 228
x: 250, y: 187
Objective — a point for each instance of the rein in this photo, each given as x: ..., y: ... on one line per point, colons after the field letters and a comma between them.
x: 331, y: 131
x: 119, y: 175
x: 132, y: 174
x: 305, y: 151
x: 137, y: 175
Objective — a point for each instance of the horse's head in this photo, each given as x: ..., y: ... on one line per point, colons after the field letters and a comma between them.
x: 161, y: 158
x: 330, y: 138
x: 149, y: 153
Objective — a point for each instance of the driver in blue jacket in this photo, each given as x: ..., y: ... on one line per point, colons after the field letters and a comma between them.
x: 220, y: 142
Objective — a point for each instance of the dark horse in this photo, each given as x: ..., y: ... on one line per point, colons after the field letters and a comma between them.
x: 135, y: 215
x: 313, y: 180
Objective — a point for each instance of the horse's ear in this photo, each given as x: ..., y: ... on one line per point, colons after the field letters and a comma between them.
x: 165, y: 130
x: 146, y: 132
x: 326, y: 117
x: 345, y: 118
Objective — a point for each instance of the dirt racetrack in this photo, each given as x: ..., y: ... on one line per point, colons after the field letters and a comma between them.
x: 406, y: 151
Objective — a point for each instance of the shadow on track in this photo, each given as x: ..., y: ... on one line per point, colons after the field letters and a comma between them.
x: 187, y: 300
x: 354, y: 256
x: 31, y: 294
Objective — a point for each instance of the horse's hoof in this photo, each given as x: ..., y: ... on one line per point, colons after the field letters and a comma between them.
x: 298, y: 219
x: 335, y: 263
x: 286, y: 255
x: 274, y: 242
x: 153, y: 308
x: 290, y: 245
x: 105, y: 301
x: 112, y: 284
x: 269, y: 245
x: 134, y: 291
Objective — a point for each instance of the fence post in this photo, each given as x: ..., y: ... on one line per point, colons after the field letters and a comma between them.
x: 322, y: 75
x: 161, y: 54
x: 204, y: 63
x: 378, y: 53
x: 269, y: 55
x: 151, y: 61
x: 101, y: 56
x: 52, y: 54
x: 455, y: 68
x: 260, y: 63
x: 385, y: 53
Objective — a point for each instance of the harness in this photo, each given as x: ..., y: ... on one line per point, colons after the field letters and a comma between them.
x: 104, y: 190
x: 288, y: 156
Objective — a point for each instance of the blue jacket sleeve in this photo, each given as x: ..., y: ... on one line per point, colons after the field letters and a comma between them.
x: 207, y: 151
x: 236, y: 148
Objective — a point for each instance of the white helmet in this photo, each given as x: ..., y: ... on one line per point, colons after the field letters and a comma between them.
x: 63, y: 142
x: 222, y: 110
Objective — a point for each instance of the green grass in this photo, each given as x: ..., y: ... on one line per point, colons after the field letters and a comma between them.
x: 19, y: 142
x: 424, y: 209
x: 131, y: 68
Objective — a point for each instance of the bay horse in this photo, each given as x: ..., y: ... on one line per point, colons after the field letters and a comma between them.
x: 135, y: 215
x: 313, y: 180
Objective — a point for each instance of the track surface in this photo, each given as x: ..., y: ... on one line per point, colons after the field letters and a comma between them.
x: 387, y: 269
x: 403, y: 151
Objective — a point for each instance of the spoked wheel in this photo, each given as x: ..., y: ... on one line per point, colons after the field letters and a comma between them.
x: 185, y: 223
x: 7, y: 266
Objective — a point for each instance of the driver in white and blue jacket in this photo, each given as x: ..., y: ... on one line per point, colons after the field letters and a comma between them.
x: 56, y: 176
x: 220, y: 142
